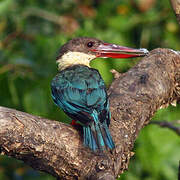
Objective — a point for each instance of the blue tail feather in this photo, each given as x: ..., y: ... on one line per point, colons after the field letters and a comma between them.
x: 108, y: 138
x: 97, y: 135
x: 89, y: 140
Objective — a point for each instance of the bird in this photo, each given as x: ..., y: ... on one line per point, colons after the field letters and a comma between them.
x: 80, y: 91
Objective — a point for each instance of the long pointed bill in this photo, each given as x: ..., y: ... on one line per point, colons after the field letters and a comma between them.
x: 116, y: 51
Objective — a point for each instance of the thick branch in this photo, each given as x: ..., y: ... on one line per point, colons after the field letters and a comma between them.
x: 57, y: 148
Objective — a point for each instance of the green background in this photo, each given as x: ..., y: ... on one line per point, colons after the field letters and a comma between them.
x: 32, y: 31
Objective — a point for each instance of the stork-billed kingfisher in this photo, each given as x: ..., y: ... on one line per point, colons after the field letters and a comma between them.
x: 80, y: 91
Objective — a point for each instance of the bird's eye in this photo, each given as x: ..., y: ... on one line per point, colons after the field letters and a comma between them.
x: 90, y: 44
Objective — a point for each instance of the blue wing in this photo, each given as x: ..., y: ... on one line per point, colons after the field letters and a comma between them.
x: 79, y: 91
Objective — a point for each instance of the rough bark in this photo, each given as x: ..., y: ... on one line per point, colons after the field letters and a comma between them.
x: 57, y: 148
x: 176, y: 7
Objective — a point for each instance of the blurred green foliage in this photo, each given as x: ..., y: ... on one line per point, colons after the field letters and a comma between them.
x: 32, y: 31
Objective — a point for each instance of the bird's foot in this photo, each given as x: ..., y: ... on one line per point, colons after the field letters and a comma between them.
x: 74, y: 123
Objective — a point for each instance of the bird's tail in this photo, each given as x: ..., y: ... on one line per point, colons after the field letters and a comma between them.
x: 97, y: 135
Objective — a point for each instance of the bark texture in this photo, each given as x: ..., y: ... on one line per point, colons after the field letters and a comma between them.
x: 57, y: 148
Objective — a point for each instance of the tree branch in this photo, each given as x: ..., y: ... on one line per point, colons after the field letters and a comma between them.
x: 176, y: 7
x: 57, y: 148
x: 169, y: 125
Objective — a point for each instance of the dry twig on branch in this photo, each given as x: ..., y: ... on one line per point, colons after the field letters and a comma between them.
x: 57, y: 148
x: 169, y: 125
x: 176, y: 7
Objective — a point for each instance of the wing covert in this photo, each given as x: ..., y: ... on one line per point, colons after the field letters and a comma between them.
x: 77, y: 95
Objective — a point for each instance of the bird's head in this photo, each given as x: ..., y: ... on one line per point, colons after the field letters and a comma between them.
x: 83, y: 49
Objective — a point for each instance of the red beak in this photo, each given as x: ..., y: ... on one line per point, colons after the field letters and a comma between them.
x: 116, y: 51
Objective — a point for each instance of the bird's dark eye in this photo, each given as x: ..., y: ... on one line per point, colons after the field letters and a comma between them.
x: 90, y: 44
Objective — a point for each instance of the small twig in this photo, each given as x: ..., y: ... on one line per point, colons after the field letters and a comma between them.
x: 68, y: 23
x: 169, y: 125
x: 176, y: 7
x: 43, y: 14
x: 115, y: 73
x: 16, y: 34
x: 177, y: 122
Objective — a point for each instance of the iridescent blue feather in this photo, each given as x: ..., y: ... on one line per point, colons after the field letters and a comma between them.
x: 80, y: 92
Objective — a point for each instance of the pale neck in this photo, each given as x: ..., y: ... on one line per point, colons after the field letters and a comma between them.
x: 74, y: 58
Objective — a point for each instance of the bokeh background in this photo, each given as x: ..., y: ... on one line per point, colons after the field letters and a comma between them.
x: 32, y: 31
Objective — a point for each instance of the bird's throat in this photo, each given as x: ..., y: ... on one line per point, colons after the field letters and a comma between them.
x: 74, y: 58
